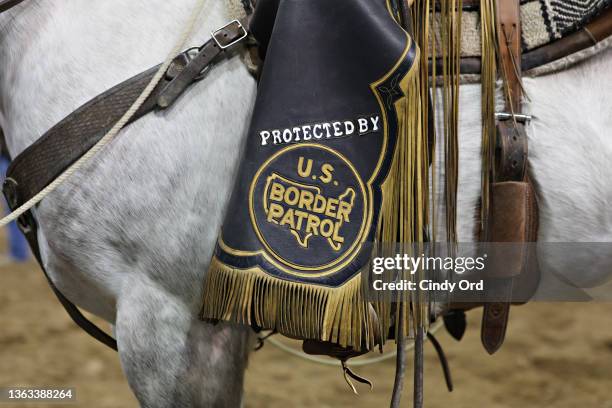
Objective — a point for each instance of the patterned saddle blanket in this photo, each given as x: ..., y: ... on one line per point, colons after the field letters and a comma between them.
x: 543, y: 21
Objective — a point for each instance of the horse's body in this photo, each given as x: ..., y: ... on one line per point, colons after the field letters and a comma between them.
x: 130, y: 236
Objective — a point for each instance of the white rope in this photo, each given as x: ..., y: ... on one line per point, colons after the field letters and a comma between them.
x: 108, y: 137
x: 356, y: 362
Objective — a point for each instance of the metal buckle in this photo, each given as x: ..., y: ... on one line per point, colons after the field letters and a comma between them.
x: 181, y: 61
x: 521, y: 118
x: 191, y: 54
x: 236, y: 41
x: 26, y: 221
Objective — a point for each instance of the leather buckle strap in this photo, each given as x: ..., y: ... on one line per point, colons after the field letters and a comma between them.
x: 509, y: 38
x: 511, y: 151
x: 510, y: 166
x: 187, y: 68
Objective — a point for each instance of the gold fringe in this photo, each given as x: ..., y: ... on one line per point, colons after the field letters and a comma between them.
x: 442, y: 19
x: 252, y: 297
x: 403, y: 209
x: 488, y: 76
x: 450, y: 22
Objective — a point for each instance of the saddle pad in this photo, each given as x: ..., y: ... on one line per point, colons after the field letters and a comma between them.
x: 337, y: 98
x: 543, y: 21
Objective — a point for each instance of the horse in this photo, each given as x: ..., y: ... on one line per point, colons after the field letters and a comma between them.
x: 129, y: 237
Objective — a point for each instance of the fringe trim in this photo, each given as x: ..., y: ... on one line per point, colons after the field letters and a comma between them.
x: 488, y: 78
x: 405, y: 192
x: 252, y: 297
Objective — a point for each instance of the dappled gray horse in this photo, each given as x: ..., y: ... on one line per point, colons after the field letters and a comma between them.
x: 129, y: 237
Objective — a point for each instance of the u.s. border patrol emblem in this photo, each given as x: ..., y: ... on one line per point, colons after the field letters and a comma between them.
x: 308, y: 207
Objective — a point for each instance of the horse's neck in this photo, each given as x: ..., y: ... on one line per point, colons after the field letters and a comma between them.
x: 54, y: 58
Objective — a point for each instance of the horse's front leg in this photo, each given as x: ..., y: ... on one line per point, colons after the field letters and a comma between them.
x: 171, y: 359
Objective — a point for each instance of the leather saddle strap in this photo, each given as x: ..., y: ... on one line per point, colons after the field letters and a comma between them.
x: 75, y: 314
x: 509, y: 41
x: 8, y: 4
x: 510, y: 167
x: 63, y: 144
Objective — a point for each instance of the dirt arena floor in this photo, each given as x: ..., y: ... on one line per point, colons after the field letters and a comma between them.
x: 556, y: 355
